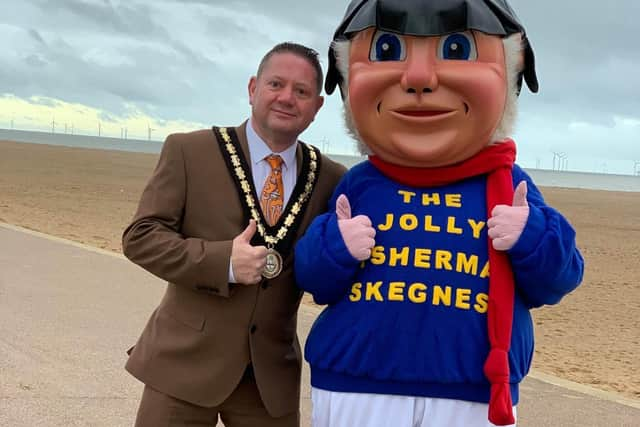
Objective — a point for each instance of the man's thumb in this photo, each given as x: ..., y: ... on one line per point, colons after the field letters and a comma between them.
x: 248, y: 232
x: 343, y: 208
x: 520, y: 194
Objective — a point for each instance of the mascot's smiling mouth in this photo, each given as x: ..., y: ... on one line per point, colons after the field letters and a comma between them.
x: 422, y: 113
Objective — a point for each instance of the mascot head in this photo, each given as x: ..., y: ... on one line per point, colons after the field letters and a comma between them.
x: 429, y: 83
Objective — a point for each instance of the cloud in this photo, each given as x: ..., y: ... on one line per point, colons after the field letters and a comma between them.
x: 191, y: 60
x: 586, y: 57
x: 36, y: 36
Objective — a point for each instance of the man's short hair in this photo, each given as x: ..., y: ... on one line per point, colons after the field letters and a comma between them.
x: 304, y: 52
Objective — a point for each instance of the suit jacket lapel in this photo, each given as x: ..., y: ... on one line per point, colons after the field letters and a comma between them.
x: 298, y: 158
x: 241, y: 131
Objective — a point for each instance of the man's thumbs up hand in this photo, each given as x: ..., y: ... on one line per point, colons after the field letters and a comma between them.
x: 247, y: 261
x: 358, y: 233
x: 248, y: 233
x: 507, y: 222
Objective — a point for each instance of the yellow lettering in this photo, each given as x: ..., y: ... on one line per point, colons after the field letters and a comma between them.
x: 418, y: 292
x: 428, y: 224
x: 451, y: 226
x: 406, y: 195
x: 427, y: 199
x: 482, y: 303
x: 476, y: 227
x: 377, y: 255
x: 408, y: 222
x: 462, y: 298
x: 443, y: 260
x: 373, y: 290
x: 441, y: 295
x: 395, y: 291
x: 453, y: 200
x: 422, y: 258
x: 388, y: 223
x: 466, y: 265
x: 485, y: 271
x: 356, y: 292
x: 402, y: 256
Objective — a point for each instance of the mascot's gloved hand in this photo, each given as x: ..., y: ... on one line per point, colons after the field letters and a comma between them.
x: 507, y: 222
x: 358, y: 233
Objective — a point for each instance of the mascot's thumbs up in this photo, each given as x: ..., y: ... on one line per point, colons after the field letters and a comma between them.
x: 507, y: 222
x: 358, y: 233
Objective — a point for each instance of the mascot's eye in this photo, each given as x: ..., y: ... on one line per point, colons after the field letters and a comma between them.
x: 387, y: 47
x: 461, y: 46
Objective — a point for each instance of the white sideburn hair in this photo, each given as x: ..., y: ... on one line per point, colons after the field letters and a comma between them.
x: 342, y: 50
x: 513, y: 65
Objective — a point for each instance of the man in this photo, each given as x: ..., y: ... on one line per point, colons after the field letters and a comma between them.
x: 218, y: 220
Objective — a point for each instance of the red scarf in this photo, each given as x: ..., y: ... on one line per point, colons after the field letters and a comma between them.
x: 497, y: 162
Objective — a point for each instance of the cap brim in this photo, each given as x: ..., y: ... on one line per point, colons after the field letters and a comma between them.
x: 530, y: 68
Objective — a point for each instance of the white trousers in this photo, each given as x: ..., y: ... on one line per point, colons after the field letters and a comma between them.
x: 335, y: 409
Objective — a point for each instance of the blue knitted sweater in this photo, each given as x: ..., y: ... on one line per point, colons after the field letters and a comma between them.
x: 412, y: 320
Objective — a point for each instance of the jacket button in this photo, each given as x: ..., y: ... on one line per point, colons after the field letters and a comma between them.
x: 253, y: 328
x: 265, y: 284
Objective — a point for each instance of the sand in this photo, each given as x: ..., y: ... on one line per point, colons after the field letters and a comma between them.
x: 591, y: 337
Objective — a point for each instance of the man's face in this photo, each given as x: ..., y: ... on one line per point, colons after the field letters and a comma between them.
x: 284, y: 98
x: 426, y: 101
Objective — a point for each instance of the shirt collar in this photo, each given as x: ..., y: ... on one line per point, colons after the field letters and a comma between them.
x: 258, y: 149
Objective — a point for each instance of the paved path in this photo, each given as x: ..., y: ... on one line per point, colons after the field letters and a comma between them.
x: 69, y: 312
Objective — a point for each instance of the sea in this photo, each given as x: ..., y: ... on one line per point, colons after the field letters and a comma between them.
x: 542, y: 177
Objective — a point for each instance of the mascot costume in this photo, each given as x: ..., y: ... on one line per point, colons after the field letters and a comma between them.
x: 436, y: 248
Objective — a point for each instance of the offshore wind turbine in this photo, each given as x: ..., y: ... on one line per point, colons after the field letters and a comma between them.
x: 325, y: 143
x: 564, y: 161
x: 555, y: 155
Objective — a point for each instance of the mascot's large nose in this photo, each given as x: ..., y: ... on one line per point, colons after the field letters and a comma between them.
x: 419, y: 75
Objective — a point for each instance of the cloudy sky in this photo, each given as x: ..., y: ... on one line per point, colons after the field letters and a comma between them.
x: 178, y: 65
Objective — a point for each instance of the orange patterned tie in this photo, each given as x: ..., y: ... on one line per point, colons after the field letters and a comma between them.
x: 272, y: 197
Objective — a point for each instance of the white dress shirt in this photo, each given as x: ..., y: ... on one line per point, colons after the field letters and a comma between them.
x: 260, y: 169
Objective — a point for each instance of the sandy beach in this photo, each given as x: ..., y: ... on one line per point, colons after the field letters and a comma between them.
x: 592, y: 337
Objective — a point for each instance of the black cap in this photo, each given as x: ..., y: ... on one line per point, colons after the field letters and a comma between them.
x: 430, y: 18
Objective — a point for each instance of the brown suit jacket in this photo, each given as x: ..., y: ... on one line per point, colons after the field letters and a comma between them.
x: 205, y: 331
